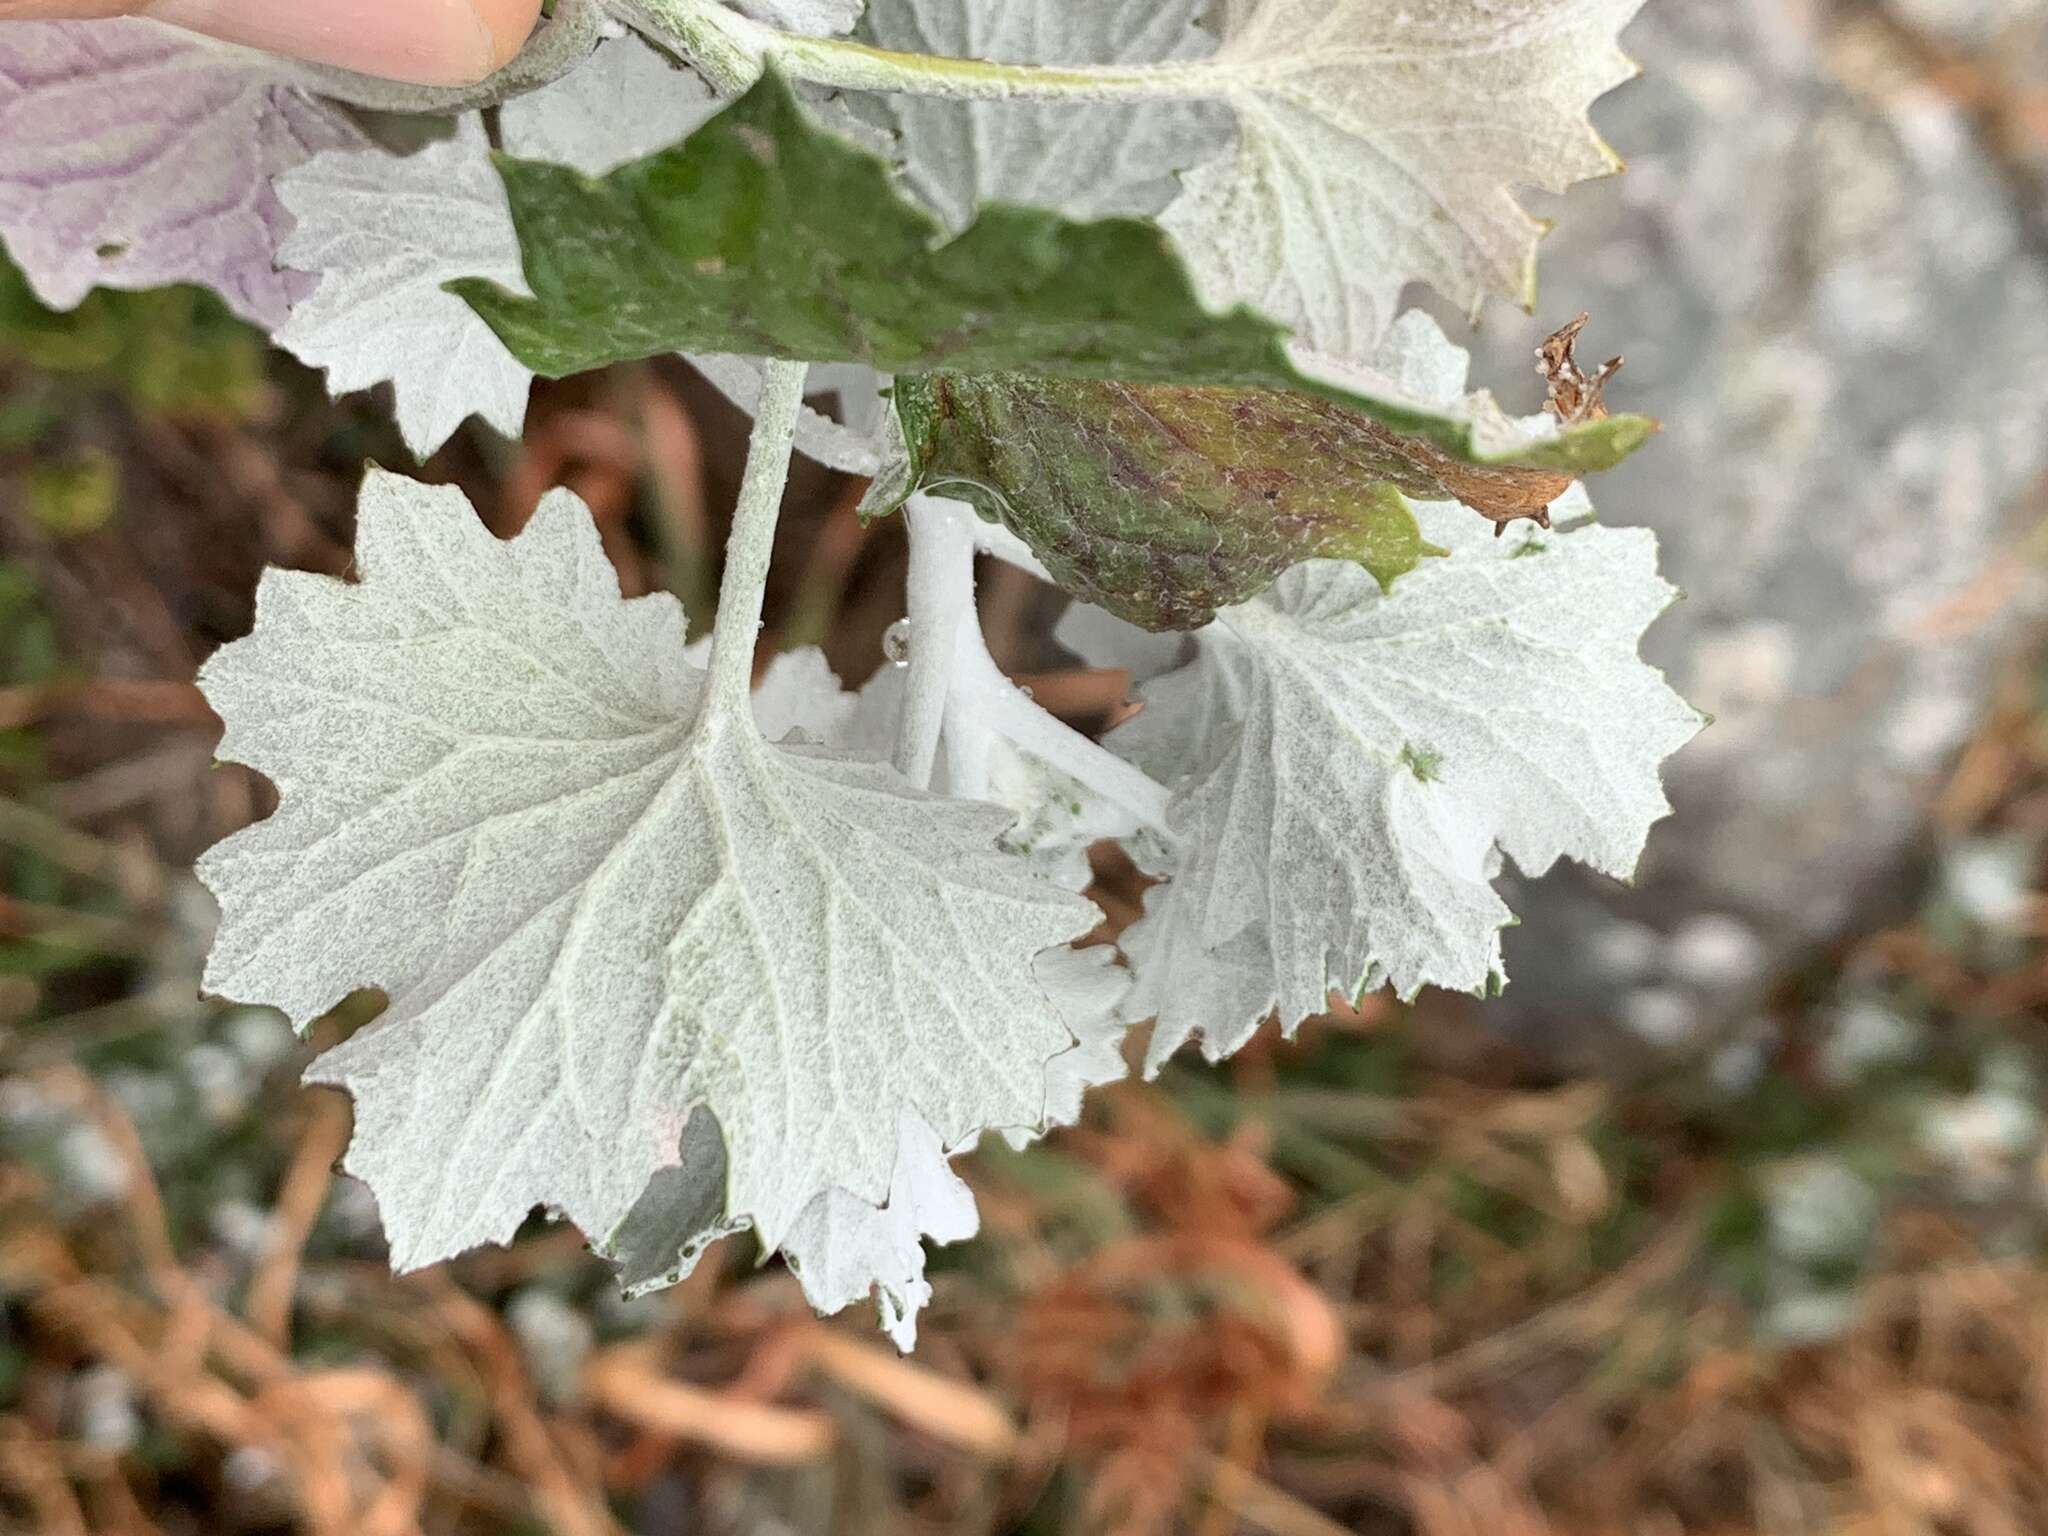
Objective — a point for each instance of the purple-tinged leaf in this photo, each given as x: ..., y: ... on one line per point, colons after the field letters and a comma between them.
x: 135, y: 156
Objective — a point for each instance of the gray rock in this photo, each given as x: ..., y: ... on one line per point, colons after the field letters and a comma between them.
x: 1826, y: 291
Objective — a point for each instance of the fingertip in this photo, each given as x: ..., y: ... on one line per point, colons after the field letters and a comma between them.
x: 510, y: 23
x: 423, y: 42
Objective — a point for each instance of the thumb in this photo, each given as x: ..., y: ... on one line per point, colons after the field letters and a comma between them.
x: 426, y: 42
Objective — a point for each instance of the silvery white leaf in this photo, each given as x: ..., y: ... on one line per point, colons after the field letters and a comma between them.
x: 1375, y: 144
x: 593, y: 911
x: 1379, y: 144
x: 853, y: 447
x: 841, y: 1248
x: 1058, y: 818
x: 1200, y: 720
x: 818, y: 18
x: 813, y: 18
x: 844, y: 1249
x: 1090, y: 987
x: 1086, y: 159
x: 134, y: 155
x: 798, y: 695
x: 629, y: 101
x: 1191, y: 986
x: 1351, y: 760
x: 679, y: 1215
x: 381, y: 234
x: 1102, y: 639
x: 1054, y: 820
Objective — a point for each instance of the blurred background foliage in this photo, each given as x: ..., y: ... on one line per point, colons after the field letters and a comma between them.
x: 1394, y: 1277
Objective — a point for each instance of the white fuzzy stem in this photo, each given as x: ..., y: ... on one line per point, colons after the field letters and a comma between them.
x: 959, y: 693
x: 969, y: 741
x: 733, y: 50
x: 995, y: 540
x: 700, y: 29
x: 1011, y: 714
x: 752, y: 545
x: 941, y: 602
x: 857, y: 67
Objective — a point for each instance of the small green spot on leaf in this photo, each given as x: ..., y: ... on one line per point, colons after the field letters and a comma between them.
x: 1425, y: 763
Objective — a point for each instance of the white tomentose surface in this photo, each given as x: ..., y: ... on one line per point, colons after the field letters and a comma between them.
x: 593, y: 912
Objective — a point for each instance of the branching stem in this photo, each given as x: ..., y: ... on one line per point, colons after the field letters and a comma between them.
x: 699, y: 29
x: 1010, y: 713
x: 752, y: 545
x: 957, y: 691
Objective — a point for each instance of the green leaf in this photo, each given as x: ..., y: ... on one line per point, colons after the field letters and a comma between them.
x: 764, y: 234
x: 1164, y: 503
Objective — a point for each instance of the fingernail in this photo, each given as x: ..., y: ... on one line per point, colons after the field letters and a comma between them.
x: 426, y: 42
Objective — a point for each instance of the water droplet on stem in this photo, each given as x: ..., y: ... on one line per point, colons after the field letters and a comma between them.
x: 896, y: 643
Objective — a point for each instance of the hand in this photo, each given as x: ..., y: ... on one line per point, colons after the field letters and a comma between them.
x: 428, y: 42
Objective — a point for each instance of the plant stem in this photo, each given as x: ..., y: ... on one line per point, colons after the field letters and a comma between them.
x: 941, y: 601
x: 957, y: 691
x: 752, y: 545
x: 997, y: 541
x: 858, y: 67
x: 1014, y: 717
x: 699, y: 28
x: 732, y: 50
